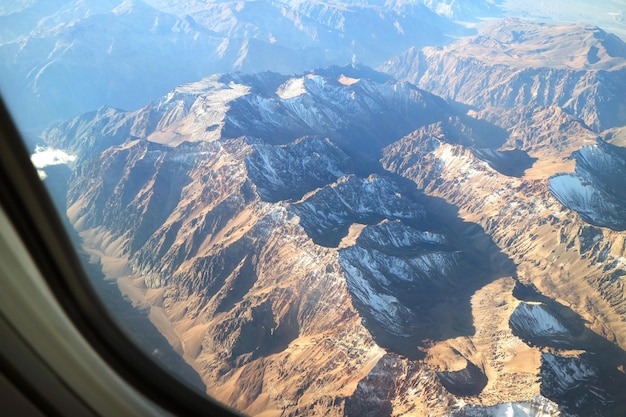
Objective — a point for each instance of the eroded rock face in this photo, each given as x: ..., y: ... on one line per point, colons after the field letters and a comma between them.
x: 546, y: 70
x: 536, y: 324
x: 302, y: 276
x: 596, y: 190
x: 554, y: 249
x: 228, y: 237
x: 388, y: 387
x: 288, y: 172
x: 327, y: 214
x: 574, y: 381
x: 374, y: 393
x: 395, y: 286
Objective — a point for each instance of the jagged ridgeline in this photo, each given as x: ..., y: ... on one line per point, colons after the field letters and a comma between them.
x: 66, y: 58
x: 341, y: 243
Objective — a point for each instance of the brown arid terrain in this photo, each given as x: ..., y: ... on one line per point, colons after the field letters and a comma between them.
x: 339, y: 243
x: 550, y: 247
x: 266, y: 318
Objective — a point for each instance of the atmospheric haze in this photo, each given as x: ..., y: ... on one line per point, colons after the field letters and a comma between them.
x: 345, y: 208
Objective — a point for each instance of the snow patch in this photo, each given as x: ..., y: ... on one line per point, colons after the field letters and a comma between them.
x: 594, y: 205
x: 572, y: 191
x: 533, y: 320
x: 385, y: 308
x: 395, y: 234
x: 595, y: 191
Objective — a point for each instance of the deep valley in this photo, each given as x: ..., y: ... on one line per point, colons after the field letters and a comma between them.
x: 442, y: 235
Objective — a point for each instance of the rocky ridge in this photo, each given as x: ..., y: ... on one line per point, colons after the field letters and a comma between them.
x: 595, y: 191
x: 536, y: 226
x: 228, y: 247
x: 123, y: 53
x: 441, y: 280
x: 515, y: 63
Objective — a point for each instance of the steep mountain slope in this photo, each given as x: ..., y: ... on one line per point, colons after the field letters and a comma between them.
x: 276, y: 108
x: 245, y: 316
x: 341, y: 243
x: 595, y: 191
x: 259, y: 258
x: 515, y: 63
x: 545, y: 108
x: 64, y: 58
x: 576, y: 266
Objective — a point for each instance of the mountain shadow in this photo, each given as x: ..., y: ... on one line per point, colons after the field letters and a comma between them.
x: 585, y: 384
x: 511, y: 163
x: 413, y: 283
x: 595, y: 191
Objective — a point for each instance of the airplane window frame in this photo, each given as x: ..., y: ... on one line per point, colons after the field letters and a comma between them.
x: 30, y: 209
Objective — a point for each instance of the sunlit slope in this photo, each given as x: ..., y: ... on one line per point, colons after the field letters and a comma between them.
x: 340, y: 243
x: 512, y: 63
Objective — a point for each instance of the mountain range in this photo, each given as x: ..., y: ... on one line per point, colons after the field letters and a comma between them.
x: 125, y: 54
x: 61, y: 58
x: 441, y: 235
